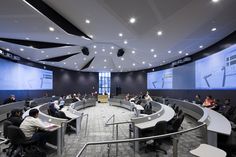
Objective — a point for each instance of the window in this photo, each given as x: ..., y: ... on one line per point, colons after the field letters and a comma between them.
x: 104, y: 82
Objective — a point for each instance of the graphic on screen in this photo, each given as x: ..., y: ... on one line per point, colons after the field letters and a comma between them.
x: 14, y: 76
x: 160, y: 79
x: 217, y: 71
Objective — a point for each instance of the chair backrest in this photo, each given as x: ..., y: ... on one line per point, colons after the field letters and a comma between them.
x: 6, y: 124
x: 177, y: 123
x: 15, y: 134
x: 160, y: 128
x: 176, y: 109
x: 180, y: 113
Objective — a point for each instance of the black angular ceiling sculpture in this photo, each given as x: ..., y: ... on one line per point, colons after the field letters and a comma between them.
x: 34, y: 44
x: 58, y: 19
x: 60, y: 58
x: 87, y: 64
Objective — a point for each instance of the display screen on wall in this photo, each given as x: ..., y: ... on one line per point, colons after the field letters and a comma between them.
x: 14, y: 76
x: 217, y: 71
x: 160, y: 79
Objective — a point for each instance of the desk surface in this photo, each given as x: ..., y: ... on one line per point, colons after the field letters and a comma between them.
x: 205, y: 150
x: 166, y: 116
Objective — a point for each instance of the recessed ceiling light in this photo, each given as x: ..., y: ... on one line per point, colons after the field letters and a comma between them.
x: 94, y: 46
x: 95, y: 52
x: 215, y: 1
x: 27, y: 38
x: 87, y: 21
x: 75, y: 63
x: 21, y: 49
x: 122, y: 59
x: 91, y: 36
x: 92, y: 67
x: 57, y: 38
x: 51, y: 29
x: 47, y: 56
x: 143, y: 62
x: 42, y: 51
x: 150, y: 64
x: 84, y: 59
x: 163, y: 61
x: 180, y: 52
x: 120, y: 34
x: 132, y: 20
x: 64, y: 63
x: 200, y: 46
x: 7, y: 49
x: 119, y: 66
x: 112, y: 47
x: 169, y: 51
x: 134, y: 64
x: 152, y: 50
x: 125, y: 42
x: 105, y: 67
x: 103, y: 50
x: 105, y: 60
x: 68, y: 52
x: 28, y: 57
x: 110, y: 53
x: 186, y: 54
x: 213, y: 29
x: 155, y: 55
x: 159, y: 33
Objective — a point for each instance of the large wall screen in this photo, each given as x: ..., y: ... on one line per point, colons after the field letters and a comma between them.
x: 14, y: 76
x: 217, y: 71
x: 160, y: 79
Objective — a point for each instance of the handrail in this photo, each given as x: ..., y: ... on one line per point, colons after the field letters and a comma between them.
x: 113, y: 128
x: 139, y: 139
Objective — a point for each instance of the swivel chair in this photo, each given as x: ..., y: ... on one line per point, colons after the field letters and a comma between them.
x: 6, y: 124
x: 176, y: 124
x: 18, y: 140
x: 159, y: 129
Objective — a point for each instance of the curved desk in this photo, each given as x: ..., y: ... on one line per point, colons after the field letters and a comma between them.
x: 216, y: 123
x: 120, y: 103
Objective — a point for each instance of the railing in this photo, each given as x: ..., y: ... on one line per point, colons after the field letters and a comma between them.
x: 63, y: 127
x: 117, y: 130
x: 174, y: 135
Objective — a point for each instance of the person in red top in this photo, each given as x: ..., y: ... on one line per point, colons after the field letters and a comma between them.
x: 209, y: 102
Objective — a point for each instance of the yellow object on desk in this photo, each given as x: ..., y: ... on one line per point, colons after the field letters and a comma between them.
x: 103, y: 98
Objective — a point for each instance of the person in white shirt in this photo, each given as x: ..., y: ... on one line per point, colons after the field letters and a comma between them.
x: 31, y: 127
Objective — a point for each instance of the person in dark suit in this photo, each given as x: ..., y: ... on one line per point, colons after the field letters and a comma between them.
x: 15, y: 117
x: 198, y: 99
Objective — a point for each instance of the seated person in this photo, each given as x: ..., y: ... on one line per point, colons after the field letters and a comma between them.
x: 198, y: 99
x: 133, y: 99
x: 226, y: 109
x: 61, y: 102
x: 215, y: 105
x: 33, y: 128
x: 11, y: 99
x: 55, y: 112
x: 209, y: 102
x: 127, y: 97
x: 148, y: 108
x: 15, y: 117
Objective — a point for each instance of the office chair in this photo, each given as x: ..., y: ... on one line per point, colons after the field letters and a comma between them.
x: 18, y: 140
x: 176, y: 109
x: 148, y: 108
x: 159, y: 129
x: 179, y: 113
x: 176, y: 124
x: 6, y: 124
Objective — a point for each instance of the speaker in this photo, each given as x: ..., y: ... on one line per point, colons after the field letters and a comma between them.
x: 120, y: 53
x: 118, y: 91
x: 85, y: 51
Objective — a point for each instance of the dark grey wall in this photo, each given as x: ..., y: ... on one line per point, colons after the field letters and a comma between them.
x: 129, y: 82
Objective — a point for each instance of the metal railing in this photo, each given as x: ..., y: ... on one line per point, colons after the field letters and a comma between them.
x: 174, y: 135
x: 107, y: 124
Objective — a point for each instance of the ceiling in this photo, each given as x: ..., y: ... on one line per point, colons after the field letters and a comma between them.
x: 185, y: 25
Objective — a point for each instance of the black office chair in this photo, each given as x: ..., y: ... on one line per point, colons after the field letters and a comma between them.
x: 176, y: 124
x: 6, y: 124
x: 159, y: 129
x: 18, y: 140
